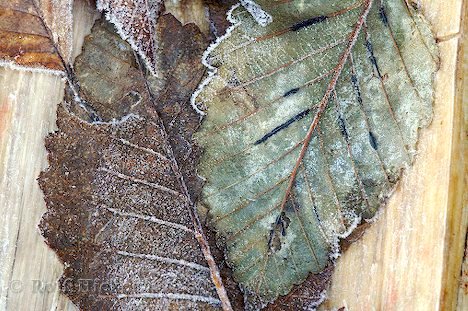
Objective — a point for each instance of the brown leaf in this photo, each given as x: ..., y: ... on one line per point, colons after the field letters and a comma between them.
x: 119, y: 211
x: 35, y: 34
x: 182, y: 71
x: 311, y: 292
x: 57, y: 16
x: 135, y: 21
x: 217, y: 10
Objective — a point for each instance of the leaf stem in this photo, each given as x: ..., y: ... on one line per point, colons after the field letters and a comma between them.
x: 197, y: 225
x: 325, y: 99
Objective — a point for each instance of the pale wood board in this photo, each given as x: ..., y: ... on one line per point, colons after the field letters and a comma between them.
x: 28, y: 103
x: 192, y: 11
x: 29, y: 270
x: 463, y: 291
x: 409, y: 259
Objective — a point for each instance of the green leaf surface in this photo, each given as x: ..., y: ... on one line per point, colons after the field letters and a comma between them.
x: 310, y: 122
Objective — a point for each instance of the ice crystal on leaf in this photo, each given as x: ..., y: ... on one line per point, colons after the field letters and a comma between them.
x: 135, y: 21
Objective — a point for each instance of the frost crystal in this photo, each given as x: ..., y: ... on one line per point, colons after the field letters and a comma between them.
x: 205, y: 59
x: 135, y: 21
x: 260, y: 16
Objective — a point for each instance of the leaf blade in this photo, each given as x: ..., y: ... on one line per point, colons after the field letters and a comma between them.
x: 134, y: 226
x: 258, y: 116
x: 136, y: 21
x: 35, y: 34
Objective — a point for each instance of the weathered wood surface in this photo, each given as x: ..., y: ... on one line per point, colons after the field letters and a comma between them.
x: 29, y: 270
x: 462, y: 303
x: 409, y: 259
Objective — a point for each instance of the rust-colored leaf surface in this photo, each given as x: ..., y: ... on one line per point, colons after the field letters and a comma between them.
x: 311, y: 292
x: 35, y: 34
x: 217, y: 10
x: 121, y: 183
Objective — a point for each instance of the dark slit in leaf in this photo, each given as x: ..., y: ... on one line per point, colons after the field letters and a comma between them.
x: 308, y: 22
x: 373, y: 140
x: 357, y: 90
x: 383, y: 15
x: 291, y: 92
x: 342, y: 125
x: 372, y: 58
x: 277, y: 129
x: 314, y: 208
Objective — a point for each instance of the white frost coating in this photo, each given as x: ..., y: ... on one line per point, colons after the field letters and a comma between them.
x: 211, y: 69
x: 151, y: 219
x: 14, y: 66
x: 260, y: 16
x: 126, y: 118
x: 122, y: 17
x: 336, y: 243
x: 144, y: 149
x: 139, y: 181
x: 175, y: 296
x: 313, y: 306
x: 180, y: 262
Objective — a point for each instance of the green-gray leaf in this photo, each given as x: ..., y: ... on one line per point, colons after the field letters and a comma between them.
x: 309, y: 124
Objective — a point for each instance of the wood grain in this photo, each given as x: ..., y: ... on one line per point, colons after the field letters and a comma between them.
x: 462, y: 95
x: 409, y: 259
x: 29, y: 270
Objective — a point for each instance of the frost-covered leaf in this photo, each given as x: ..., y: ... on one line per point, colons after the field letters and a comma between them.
x: 310, y: 121
x: 35, y: 34
x: 58, y: 18
x: 217, y: 10
x: 135, y: 21
x: 119, y: 212
x: 260, y: 16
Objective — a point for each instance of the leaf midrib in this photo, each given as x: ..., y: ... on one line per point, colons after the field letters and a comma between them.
x: 325, y: 99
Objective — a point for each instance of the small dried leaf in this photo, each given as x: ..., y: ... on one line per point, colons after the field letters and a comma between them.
x: 135, y: 21
x: 36, y: 35
x: 57, y: 16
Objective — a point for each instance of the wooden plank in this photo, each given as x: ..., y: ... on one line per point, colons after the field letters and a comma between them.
x: 463, y: 97
x: 29, y: 270
x: 409, y: 259
x: 28, y: 101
